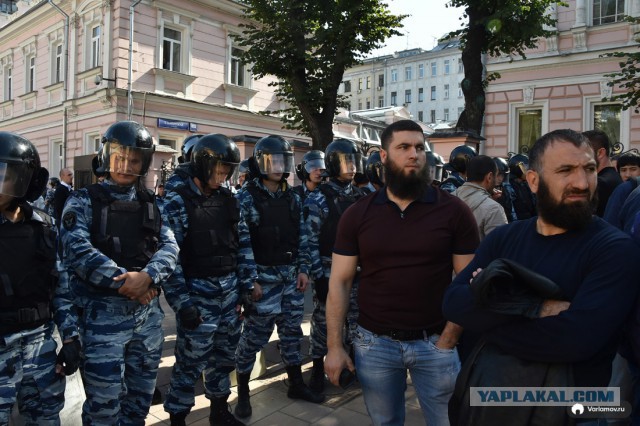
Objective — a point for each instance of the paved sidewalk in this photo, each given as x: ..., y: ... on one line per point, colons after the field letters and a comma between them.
x: 269, y: 391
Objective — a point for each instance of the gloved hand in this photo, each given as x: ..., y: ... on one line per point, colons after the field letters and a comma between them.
x: 190, y: 317
x: 69, y: 357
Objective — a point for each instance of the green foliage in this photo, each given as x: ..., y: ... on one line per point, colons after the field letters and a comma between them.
x: 628, y: 78
x: 307, y: 45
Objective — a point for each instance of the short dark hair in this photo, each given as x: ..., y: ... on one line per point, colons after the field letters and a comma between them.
x: 598, y: 139
x: 562, y: 135
x: 479, y: 166
x: 629, y: 158
x: 398, y: 126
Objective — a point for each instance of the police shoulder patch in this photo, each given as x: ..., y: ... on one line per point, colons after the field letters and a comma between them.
x: 69, y: 220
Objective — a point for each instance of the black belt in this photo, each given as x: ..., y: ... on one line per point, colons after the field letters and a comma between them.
x: 406, y: 335
x: 26, y: 315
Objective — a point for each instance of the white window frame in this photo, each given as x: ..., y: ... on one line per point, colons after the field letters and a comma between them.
x: 30, y: 73
x: 347, y: 86
x: 514, y: 109
x: 588, y: 116
x: 8, y: 83
x: 237, y: 70
x: 56, y: 162
x: 460, y: 66
x: 420, y: 94
x: 394, y: 75
x: 394, y: 98
x: 380, y: 101
x: 447, y: 66
x: 446, y: 114
x: 434, y: 69
x: 57, y: 68
x: 408, y: 73
x: 446, y: 91
x: 368, y: 82
x: 92, y: 142
x: 407, y: 96
x: 421, y: 116
x: 434, y: 93
x: 241, y: 69
x: 94, y: 50
x: 420, y: 70
x: 172, y: 63
x: 619, y: 17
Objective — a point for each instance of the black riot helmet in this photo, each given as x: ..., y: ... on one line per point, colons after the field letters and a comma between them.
x: 187, y: 146
x: 127, y: 148
x: 21, y: 175
x: 374, y: 169
x: 212, y: 151
x: 518, y: 165
x: 311, y: 161
x: 273, y: 154
x: 502, y: 165
x: 343, y: 156
x: 436, y: 165
x: 460, y: 157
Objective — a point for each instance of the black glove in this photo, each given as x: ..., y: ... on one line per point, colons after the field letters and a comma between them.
x: 69, y: 357
x: 321, y: 287
x: 190, y: 317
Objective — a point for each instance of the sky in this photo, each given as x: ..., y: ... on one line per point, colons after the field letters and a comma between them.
x: 429, y: 21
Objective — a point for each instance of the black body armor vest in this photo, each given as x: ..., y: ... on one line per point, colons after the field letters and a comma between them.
x: 126, y: 231
x: 27, y: 266
x: 275, y: 239
x: 337, y: 203
x: 210, y: 247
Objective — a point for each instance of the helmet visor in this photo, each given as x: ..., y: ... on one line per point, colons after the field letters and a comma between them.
x: 14, y: 179
x: 315, y: 164
x: 349, y: 163
x: 281, y: 162
x: 216, y: 171
x: 126, y: 160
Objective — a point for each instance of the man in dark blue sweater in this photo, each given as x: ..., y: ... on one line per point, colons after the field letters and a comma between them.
x: 593, y: 263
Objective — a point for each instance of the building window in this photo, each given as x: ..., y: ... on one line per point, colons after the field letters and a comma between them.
x: 460, y: 66
x: 359, y: 85
x: 460, y: 93
x: 607, y: 118
x: 420, y: 94
x: 57, y: 65
x: 92, y: 143
x: 394, y: 76
x: 421, y: 71
x: 171, y: 50
x: 31, y: 75
x: 367, y: 102
x: 433, y: 93
x: 446, y: 91
x: 529, y: 127
x: 460, y: 109
x: 394, y: 98
x: 57, y: 159
x: 607, y: 11
x: 433, y: 116
x: 407, y: 96
x: 381, y: 80
x: 347, y: 86
x: 359, y: 105
x: 368, y: 85
x: 8, y: 84
x: 238, y: 70
x: 420, y: 116
x: 434, y: 68
x: 380, y: 101
x: 447, y: 66
x: 446, y: 114
x: 94, y: 60
x: 407, y: 73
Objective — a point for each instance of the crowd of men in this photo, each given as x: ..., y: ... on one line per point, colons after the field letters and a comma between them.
x: 540, y: 295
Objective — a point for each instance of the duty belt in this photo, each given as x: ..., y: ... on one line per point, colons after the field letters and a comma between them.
x: 26, y: 315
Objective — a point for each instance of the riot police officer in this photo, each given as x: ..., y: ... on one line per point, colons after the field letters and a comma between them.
x: 524, y: 201
x: 322, y: 211
x: 30, y: 373
x: 274, y: 262
x: 458, y: 160
x: 311, y: 172
x: 183, y: 171
x: 118, y: 253
x: 204, y: 215
x: 374, y: 169
x: 504, y: 193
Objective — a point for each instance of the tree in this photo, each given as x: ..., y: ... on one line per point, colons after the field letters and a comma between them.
x: 307, y: 45
x: 506, y: 27
x: 628, y: 78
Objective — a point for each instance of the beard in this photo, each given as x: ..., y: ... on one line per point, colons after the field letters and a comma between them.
x: 407, y: 186
x: 571, y: 216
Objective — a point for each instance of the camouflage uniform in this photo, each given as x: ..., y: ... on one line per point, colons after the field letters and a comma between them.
x: 316, y: 213
x: 122, y: 339
x: 179, y: 177
x: 453, y: 182
x: 28, y: 356
x: 281, y: 304
x: 211, y: 346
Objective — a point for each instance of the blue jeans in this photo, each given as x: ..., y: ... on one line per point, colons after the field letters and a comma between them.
x: 382, y: 364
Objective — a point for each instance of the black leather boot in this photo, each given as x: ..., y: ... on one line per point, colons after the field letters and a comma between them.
x: 178, y: 419
x: 220, y: 414
x: 316, y: 382
x: 243, y: 408
x: 297, y: 388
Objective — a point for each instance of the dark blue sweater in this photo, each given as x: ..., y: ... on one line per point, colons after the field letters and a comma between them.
x: 597, y: 270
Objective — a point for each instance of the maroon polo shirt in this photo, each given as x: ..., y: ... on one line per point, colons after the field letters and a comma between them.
x: 406, y: 257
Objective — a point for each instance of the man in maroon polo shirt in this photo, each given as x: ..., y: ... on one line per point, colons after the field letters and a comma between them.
x: 408, y: 238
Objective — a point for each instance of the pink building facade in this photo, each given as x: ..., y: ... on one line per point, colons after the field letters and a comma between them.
x: 562, y: 83
x: 62, y: 89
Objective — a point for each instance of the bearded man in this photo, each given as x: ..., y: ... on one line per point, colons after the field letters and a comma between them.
x: 408, y: 238
x: 592, y: 263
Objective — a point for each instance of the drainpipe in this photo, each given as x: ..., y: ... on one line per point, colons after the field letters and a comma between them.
x: 129, y: 95
x: 65, y: 48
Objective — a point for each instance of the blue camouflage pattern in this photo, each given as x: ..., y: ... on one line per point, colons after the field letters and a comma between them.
x: 316, y: 212
x: 281, y: 304
x: 452, y: 182
x: 210, y: 348
x: 121, y: 338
